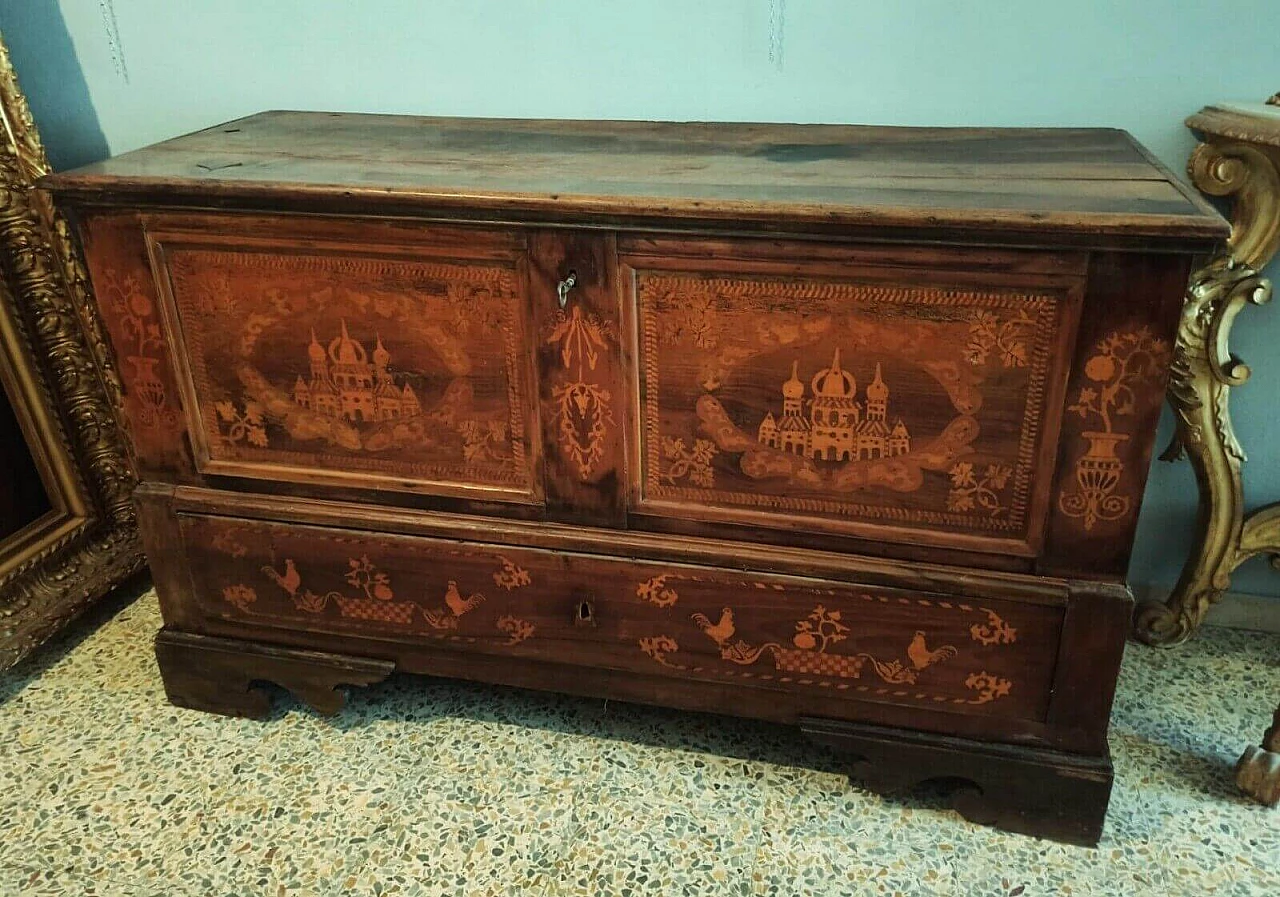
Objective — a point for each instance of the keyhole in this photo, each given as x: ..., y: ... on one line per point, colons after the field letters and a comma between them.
x: 585, y: 614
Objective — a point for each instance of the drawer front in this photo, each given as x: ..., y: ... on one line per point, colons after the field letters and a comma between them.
x: 912, y: 399
x: 847, y: 643
x: 377, y: 357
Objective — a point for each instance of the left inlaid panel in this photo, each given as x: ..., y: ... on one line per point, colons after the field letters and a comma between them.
x: 362, y: 355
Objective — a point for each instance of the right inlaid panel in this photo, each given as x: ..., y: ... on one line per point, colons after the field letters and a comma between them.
x: 881, y: 404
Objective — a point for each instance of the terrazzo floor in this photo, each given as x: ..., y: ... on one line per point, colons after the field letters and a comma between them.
x: 435, y: 787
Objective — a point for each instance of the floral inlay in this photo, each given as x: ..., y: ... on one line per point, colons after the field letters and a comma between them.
x: 228, y: 544
x: 483, y: 440
x: 655, y: 591
x: 369, y: 579
x: 582, y: 405
x: 240, y: 595
x: 517, y: 630
x: 689, y: 316
x: 511, y: 576
x: 987, y: 686
x: 1005, y: 339
x: 471, y: 307
x: 821, y: 630
x: 658, y: 647
x: 994, y: 632
x: 241, y: 426
x: 694, y: 463
x: 981, y: 489
x: 141, y: 343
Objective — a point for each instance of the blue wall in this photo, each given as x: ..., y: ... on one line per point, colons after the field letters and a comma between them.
x: 145, y: 70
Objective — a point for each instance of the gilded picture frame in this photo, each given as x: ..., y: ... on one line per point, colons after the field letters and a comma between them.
x: 56, y: 368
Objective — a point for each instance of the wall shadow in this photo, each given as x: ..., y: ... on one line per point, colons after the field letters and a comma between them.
x: 50, y: 75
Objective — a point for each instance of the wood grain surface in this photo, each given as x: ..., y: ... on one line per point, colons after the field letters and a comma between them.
x: 1094, y: 182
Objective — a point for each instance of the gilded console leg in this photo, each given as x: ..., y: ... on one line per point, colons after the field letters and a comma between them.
x: 1239, y: 158
x: 222, y: 675
x: 1201, y: 377
x: 1229, y: 163
x: 1043, y: 793
x: 1258, y: 772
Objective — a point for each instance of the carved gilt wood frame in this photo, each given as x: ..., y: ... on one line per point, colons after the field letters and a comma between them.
x: 56, y: 369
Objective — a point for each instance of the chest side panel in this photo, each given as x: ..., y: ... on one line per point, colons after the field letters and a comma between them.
x: 399, y: 366
x: 895, y: 403
x: 1126, y: 345
x: 151, y: 413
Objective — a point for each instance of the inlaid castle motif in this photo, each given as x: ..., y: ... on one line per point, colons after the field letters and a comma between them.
x: 838, y: 426
x: 345, y: 384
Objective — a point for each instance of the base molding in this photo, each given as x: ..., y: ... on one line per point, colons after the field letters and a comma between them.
x: 1047, y: 794
x: 223, y: 675
x: 1034, y: 791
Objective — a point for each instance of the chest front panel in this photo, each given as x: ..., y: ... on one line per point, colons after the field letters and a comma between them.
x: 396, y: 366
x: 845, y: 397
x: 890, y: 399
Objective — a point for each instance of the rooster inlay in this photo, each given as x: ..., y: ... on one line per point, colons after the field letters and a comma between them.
x: 455, y: 606
x: 920, y: 655
x: 720, y: 632
x: 459, y: 605
x: 289, y: 581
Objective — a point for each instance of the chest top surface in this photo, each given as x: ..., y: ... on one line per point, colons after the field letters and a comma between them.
x: 1097, y: 182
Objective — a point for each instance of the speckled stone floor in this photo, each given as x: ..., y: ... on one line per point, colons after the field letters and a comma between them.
x: 434, y: 787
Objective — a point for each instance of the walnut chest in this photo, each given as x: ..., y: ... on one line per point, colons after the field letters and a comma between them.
x: 845, y: 427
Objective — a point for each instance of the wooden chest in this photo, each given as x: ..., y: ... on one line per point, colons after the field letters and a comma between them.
x: 845, y: 427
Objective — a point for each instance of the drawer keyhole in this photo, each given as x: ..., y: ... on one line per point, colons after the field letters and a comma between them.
x: 584, y: 614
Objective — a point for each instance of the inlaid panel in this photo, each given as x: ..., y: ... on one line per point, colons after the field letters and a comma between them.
x: 844, y: 641
x: 891, y: 406
x: 1113, y: 404
x: 130, y: 308
x: 355, y: 368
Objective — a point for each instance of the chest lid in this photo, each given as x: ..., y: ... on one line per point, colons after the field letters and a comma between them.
x: 967, y: 184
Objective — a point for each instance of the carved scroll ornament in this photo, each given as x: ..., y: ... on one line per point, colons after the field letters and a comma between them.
x: 1239, y: 159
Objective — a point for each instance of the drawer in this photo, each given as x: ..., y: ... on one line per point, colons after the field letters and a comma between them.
x: 839, y: 643
x: 389, y: 358
x: 893, y: 394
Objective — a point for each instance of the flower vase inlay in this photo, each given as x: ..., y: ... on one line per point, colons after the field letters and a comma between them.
x: 1097, y: 477
x: 1120, y: 362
